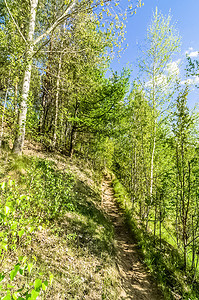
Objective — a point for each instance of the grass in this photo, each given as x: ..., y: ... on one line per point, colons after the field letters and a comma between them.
x: 70, y: 239
x: 165, y: 263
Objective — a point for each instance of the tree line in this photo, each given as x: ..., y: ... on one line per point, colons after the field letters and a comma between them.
x: 53, y: 60
x: 156, y: 156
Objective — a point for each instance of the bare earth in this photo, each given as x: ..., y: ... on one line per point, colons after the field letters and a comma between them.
x: 136, y: 281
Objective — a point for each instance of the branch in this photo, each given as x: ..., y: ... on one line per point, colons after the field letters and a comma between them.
x: 56, y: 23
x: 15, y: 22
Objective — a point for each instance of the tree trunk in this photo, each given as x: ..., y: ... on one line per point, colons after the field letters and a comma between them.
x: 72, y: 141
x: 15, y: 99
x: 155, y: 218
x: 20, y: 136
x: 2, y: 118
x: 73, y: 132
x: 193, y: 244
x: 154, y: 139
x: 57, y: 100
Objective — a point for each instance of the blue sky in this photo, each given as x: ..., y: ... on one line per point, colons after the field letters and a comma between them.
x: 186, y: 16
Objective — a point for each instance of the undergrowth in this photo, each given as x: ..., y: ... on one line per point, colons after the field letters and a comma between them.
x: 55, y: 242
x: 163, y: 260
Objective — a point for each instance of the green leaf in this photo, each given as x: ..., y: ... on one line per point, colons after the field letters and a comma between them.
x: 20, y: 258
x: 30, y: 266
x: 51, y: 278
x: 13, y: 273
x: 6, y: 209
x: 10, y: 182
x: 7, y: 297
x: 15, y: 296
x: 21, y: 271
x: 3, y: 185
x: 30, y: 229
x: 44, y: 285
x: 37, y: 284
x: 21, y: 232
x: 14, y: 225
x: 4, y: 246
x: 20, y: 290
x: 34, y: 295
x: 10, y: 286
x: 24, y: 259
x: 2, y: 276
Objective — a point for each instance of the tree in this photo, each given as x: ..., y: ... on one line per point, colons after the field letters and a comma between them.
x: 157, y: 76
x: 186, y: 161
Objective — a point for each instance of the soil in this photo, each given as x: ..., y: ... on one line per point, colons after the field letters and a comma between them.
x: 137, y: 283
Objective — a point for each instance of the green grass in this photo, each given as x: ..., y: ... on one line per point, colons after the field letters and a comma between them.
x: 57, y: 230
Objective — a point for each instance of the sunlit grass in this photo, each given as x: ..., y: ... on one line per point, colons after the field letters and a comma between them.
x: 75, y: 242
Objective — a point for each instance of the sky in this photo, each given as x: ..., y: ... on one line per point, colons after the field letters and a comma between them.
x: 185, y: 14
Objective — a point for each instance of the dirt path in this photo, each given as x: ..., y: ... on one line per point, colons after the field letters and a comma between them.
x: 137, y: 283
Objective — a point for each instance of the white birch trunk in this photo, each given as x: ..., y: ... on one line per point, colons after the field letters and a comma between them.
x: 152, y: 162
x: 15, y: 99
x: 2, y: 118
x: 19, y: 140
x: 154, y: 139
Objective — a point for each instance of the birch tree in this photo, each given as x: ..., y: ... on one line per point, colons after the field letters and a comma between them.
x: 30, y: 43
x: 158, y: 75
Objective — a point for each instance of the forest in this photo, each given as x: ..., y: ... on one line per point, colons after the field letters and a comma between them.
x: 59, y: 96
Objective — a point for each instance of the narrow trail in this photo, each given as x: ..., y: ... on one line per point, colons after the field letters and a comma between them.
x: 137, y: 283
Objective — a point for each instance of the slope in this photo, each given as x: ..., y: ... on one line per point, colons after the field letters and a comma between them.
x: 57, y: 241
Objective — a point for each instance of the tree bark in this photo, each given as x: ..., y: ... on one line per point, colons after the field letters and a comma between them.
x: 57, y: 100
x: 15, y: 99
x: 20, y: 136
x: 2, y: 118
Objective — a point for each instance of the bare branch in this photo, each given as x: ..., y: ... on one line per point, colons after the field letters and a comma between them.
x: 15, y: 22
x: 56, y: 23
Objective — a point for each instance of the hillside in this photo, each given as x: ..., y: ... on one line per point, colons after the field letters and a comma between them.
x: 69, y: 241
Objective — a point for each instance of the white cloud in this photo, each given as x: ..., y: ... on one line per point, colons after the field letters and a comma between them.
x: 193, y: 54
x: 160, y: 81
x: 173, y: 67
x: 191, y: 81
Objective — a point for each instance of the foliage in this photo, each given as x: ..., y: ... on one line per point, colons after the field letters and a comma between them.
x: 17, y: 228
x: 23, y: 211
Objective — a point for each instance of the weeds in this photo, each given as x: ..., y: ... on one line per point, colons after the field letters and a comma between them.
x: 52, y: 228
